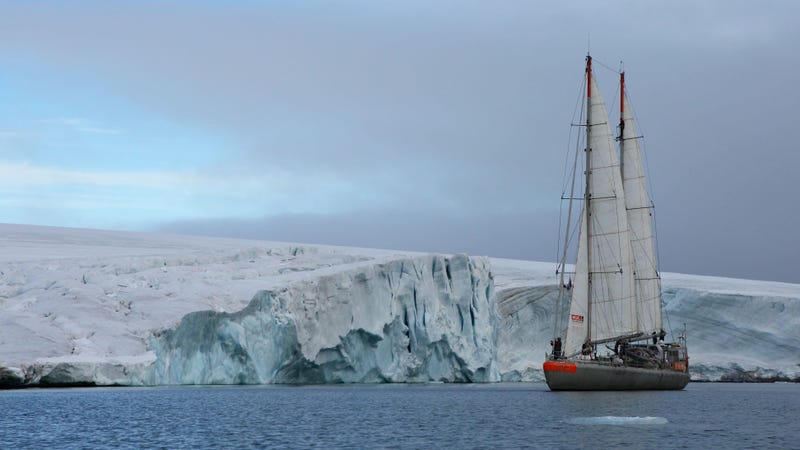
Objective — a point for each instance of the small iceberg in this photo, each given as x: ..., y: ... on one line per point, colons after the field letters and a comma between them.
x: 617, y: 420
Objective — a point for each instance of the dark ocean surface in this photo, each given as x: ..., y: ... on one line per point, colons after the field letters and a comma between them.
x: 518, y: 415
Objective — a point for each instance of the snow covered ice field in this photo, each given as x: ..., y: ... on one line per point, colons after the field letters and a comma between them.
x: 105, y: 307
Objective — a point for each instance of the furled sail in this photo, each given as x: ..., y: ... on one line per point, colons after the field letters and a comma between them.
x: 604, y: 249
x: 637, y: 202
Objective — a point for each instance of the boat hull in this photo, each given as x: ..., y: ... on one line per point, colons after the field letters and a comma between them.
x: 596, y: 376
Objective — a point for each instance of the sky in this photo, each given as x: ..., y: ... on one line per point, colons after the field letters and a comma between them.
x: 436, y: 126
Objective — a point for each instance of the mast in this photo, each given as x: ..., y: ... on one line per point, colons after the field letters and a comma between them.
x: 588, y: 196
x: 621, y: 124
x: 622, y: 175
x: 601, y: 308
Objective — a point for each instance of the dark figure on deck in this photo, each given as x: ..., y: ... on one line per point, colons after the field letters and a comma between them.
x: 586, y: 349
x: 619, y: 347
x: 556, y: 347
x: 655, y: 338
x: 662, y: 334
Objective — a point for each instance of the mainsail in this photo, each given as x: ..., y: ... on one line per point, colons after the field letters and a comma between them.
x: 637, y: 202
x: 606, y: 300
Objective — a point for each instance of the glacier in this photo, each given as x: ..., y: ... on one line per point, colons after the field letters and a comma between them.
x: 427, y: 318
x: 89, y: 307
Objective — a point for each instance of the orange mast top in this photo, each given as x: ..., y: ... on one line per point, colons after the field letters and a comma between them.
x: 588, y: 75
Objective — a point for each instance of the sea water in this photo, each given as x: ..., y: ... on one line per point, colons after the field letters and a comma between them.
x: 704, y: 415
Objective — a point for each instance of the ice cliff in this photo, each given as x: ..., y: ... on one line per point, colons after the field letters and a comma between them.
x: 84, y: 307
x: 427, y: 318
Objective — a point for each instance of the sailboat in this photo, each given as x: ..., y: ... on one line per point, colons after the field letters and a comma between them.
x: 613, y: 338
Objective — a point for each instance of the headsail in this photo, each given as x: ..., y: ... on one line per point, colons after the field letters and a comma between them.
x: 637, y: 202
x: 604, y: 250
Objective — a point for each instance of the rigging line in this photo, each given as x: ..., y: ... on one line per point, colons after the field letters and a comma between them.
x: 664, y: 312
x: 636, y: 238
x: 669, y: 324
x: 570, y: 175
x: 643, y: 146
x: 647, y: 260
x: 558, y: 241
x: 565, y: 168
x: 577, y: 109
x: 567, y: 233
x: 629, y: 139
x: 578, y: 103
x: 574, y: 231
x: 654, y: 222
x: 567, y: 237
x: 614, y: 99
x: 579, y: 99
x: 562, y: 259
x: 605, y: 66
x: 606, y: 307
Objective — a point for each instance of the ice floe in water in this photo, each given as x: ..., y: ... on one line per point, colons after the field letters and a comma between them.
x: 618, y: 420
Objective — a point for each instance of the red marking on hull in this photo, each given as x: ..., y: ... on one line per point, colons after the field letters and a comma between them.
x: 555, y: 366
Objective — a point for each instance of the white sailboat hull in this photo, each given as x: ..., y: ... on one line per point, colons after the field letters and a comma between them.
x: 600, y: 376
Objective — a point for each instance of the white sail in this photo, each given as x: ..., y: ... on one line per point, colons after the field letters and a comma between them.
x: 578, y: 307
x: 637, y: 202
x: 606, y: 259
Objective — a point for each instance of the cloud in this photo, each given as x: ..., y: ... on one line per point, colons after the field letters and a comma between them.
x: 223, y: 191
x: 437, y: 110
x: 511, y: 235
x: 21, y: 174
x: 67, y: 121
x: 13, y: 134
x: 82, y: 125
x: 98, y: 130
